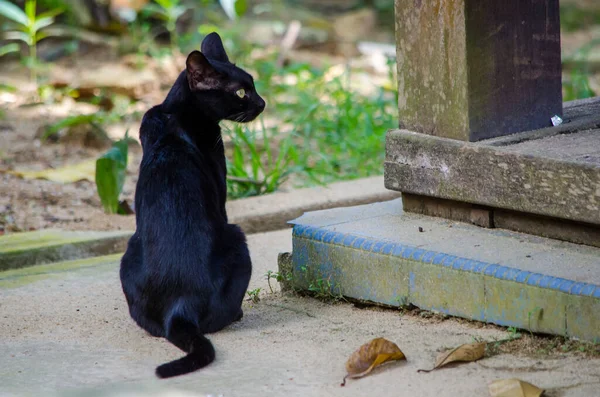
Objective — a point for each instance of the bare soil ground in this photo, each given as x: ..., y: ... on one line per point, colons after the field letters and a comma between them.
x: 40, y: 204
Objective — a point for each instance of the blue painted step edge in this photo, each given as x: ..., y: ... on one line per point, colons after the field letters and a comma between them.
x: 451, y: 261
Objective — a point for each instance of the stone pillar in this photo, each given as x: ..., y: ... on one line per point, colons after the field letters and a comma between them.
x: 478, y: 69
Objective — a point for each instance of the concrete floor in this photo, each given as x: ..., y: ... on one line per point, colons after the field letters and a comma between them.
x: 68, y: 332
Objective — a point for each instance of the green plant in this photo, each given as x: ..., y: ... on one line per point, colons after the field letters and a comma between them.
x: 577, y: 85
x: 338, y: 132
x: 255, y: 167
x: 513, y: 333
x: 403, y: 302
x: 142, y: 35
x: 7, y: 88
x: 9, y: 48
x: 30, y: 27
x: 110, y: 175
x: 95, y: 120
x: 234, y: 8
x: 574, y: 17
x: 120, y: 112
x: 323, y: 289
x: 320, y: 287
x: 254, y: 295
x: 169, y: 11
x: 269, y: 275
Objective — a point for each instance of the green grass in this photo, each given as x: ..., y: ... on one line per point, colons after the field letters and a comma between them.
x: 255, y: 166
x: 573, y: 18
x: 324, y: 131
x: 576, y: 82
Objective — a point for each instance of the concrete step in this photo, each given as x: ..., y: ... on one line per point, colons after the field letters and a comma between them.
x: 379, y: 253
x: 46, y: 246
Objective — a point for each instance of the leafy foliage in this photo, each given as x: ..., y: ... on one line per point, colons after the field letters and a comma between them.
x: 326, y: 131
x: 234, y: 8
x: 110, y: 175
x: 577, y: 82
x: 254, y: 170
x: 30, y: 27
x: 169, y: 11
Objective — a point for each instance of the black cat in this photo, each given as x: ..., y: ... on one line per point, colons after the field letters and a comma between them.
x: 186, y: 270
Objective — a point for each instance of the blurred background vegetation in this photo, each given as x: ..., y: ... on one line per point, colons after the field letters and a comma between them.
x: 76, y: 75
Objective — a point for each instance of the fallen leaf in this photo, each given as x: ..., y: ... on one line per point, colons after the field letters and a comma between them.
x: 513, y: 388
x: 85, y: 170
x: 467, y: 352
x: 371, y: 355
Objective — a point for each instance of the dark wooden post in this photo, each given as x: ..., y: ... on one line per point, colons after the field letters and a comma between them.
x: 477, y: 69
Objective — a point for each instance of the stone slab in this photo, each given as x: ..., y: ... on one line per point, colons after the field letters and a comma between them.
x: 512, y: 279
x: 46, y: 246
x: 555, y: 184
x: 273, y: 211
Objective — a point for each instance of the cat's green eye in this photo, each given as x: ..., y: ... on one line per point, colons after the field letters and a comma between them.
x: 241, y: 93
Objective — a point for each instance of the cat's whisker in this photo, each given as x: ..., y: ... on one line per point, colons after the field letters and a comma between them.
x: 219, y: 140
x: 236, y: 117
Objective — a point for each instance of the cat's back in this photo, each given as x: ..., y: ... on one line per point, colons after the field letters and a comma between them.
x: 174, y: 220
x: 171, y: 169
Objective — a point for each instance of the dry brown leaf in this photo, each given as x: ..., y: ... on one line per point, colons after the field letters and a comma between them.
x: 371, y: 355
x: 513, y: 388
x: 467, y: 352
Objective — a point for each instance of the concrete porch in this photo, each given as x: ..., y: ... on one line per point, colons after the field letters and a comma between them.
x: 379, y: 253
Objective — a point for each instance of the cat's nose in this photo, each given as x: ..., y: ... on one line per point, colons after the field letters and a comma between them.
x: 261, y: 104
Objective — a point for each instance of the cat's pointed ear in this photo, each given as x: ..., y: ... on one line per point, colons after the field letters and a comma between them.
x: 212, y: 47
x: 200, y: 73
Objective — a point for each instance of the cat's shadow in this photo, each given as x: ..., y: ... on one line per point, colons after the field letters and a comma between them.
x: 266, y: 315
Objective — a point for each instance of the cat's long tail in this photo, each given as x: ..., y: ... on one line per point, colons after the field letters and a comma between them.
x: 184, y: 334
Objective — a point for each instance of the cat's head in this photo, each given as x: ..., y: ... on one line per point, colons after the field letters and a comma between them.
x: 221, y: 88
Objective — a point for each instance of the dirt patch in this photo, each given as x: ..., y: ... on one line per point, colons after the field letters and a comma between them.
x: 40, y: 204
x: 548, y: 346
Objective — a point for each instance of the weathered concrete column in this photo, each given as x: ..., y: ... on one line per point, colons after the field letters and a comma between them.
x: 477, y: 69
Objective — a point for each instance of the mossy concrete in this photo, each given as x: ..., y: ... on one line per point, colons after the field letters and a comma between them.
x: 46, y: 246
x: 374, y: 264
x: 15, y: 278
